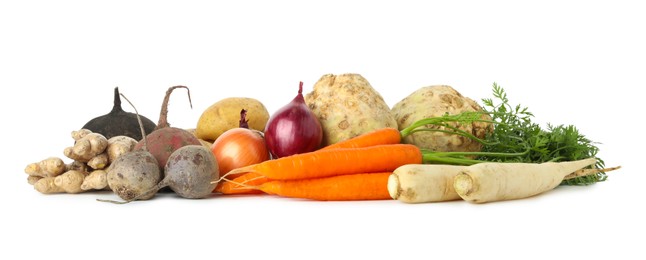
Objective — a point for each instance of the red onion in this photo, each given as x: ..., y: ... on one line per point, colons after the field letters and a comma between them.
x: 293, y: 129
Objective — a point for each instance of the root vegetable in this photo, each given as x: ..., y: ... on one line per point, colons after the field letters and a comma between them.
x: 367, y: 186
x: 417, y: 183
x: 435, y: 101
x: 31, y: 179
x: 333, y: 162
x: 225, y: 115
x: 119, y: 122
x: 87, y: 147
x: 50, y: 167
x: 78, y: 166
x: 96, y: 180
x: 78, y: 134
x: 188, y: 173
x: 487, y: 182
x: 46, y: 186
x: 239, y: 185
x: 386, y: 135
x: 119, y: 145
x: 98, y: 162
x: 70, y: 181
x: 134, y: 173
x: 205, y: 143
x: 347, y: 106
x: 166, y: 139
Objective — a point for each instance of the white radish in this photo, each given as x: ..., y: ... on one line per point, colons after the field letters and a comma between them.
x: 418, y: 183
x: 487, y: 182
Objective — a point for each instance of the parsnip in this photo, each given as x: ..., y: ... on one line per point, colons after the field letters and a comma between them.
x: 418, y: 183
x: 487, y: 182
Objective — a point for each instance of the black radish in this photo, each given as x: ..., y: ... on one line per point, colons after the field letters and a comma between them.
x: 119, y: 122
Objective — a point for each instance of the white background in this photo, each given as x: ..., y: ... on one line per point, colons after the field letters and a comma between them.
x: 570, y: 62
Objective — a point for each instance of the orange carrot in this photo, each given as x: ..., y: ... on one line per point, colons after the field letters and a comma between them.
x: 380, y: 136
x: 234, y: 186
x: 363, y: 186
x: 326, y: 163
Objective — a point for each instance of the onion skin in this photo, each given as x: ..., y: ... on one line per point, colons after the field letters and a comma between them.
x: 237, y: 148
x: 293, y: 129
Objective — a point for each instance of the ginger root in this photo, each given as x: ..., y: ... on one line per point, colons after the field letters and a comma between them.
x: 76, y: 135
x: 98, y: 162
x: 50, y: 167
x: 92, y: 154
x: 87, y: 147
x: 78, y: 166
x: 33, y: 179
x: 119, y: 145
x: 70, y: 181
x: 96, y: 180
x: 46, y: 186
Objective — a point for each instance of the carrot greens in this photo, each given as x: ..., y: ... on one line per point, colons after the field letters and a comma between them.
x: 513, y: 137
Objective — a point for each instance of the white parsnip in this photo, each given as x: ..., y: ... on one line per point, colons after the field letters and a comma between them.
x: 487, y: 182
x: 419, y: 183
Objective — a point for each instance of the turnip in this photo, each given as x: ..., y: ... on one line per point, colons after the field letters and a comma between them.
x: 164, y: 140
x: 133, y: 173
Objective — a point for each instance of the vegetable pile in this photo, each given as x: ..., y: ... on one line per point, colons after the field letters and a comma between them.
x: 338, y: 142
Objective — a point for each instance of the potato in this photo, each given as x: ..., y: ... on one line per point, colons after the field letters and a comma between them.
x: 348, y: 106
x: 204, y: 143
x: 225, y: 115
x: 434, y: 101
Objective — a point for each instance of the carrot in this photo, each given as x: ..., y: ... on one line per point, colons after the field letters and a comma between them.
x: 487, y: 182
x: 362, y: 186
x: 380, y: 136
x: 327, y: 163
x: 237, y: 185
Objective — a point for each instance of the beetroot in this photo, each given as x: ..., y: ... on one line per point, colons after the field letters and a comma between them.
x: 164, y: 140
x: 132, y: 174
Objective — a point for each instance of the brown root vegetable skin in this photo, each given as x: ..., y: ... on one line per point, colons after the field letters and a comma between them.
x: 347, y: 106
x: 224, y: 115
x: 435, y: 101
x: 190, y: 170
x: 166, y: 139
x: 133, y: 173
